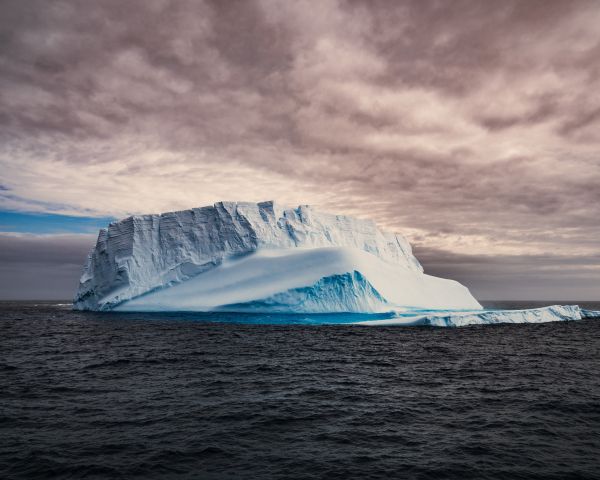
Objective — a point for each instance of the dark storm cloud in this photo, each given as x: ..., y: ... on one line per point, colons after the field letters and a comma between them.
x: 473, y: 126
x: 41, y: 266
x: 47, y: 249
x: 522, y: 277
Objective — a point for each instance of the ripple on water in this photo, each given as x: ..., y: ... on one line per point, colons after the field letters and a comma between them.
x: 151, y: 396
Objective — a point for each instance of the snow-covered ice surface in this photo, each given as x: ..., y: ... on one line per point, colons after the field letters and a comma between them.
x: 266, y: 258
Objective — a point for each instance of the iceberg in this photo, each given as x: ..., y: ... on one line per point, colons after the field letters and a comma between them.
x: 268, y: 258
x: 240, y: 256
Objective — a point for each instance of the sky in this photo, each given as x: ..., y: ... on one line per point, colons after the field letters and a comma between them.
x: 471, y: 127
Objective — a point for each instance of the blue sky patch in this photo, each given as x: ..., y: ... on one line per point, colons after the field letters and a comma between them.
x: 50, y: 223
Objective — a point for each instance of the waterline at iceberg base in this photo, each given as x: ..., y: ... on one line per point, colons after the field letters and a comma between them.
x: 263, y: 258
x: 414, y: 318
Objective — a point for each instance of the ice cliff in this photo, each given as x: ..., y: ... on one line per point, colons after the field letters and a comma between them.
x: 258, y: 257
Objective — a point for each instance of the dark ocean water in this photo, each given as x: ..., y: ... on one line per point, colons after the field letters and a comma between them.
x: 86, y: 395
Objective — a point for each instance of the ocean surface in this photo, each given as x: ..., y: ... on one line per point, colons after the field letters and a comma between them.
x: 89, y: 395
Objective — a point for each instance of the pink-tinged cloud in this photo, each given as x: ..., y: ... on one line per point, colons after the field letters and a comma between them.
x: 472, y: 126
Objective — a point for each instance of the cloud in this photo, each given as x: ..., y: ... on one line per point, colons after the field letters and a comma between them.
x: 53, y: 249
x: 518, y: 277
x: 471, y: 126
x: 41, y: 266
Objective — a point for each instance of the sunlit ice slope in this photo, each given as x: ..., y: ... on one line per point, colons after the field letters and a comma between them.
x: 309, y: 280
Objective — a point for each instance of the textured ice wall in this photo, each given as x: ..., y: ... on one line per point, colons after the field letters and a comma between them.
x: 146, y: 252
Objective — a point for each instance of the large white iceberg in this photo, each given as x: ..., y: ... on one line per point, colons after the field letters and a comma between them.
x: 266, y: 258
x: 238, y: 256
